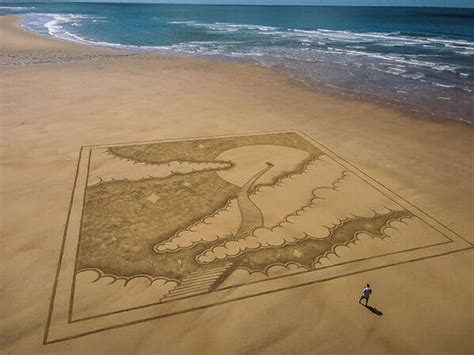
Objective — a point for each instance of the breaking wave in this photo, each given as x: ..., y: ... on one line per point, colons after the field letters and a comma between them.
x: 403, y: 66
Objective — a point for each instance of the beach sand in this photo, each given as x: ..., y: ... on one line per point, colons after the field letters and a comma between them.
x: 57, y: 97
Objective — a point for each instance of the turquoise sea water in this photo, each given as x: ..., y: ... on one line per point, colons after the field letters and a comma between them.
x: 420, y: 59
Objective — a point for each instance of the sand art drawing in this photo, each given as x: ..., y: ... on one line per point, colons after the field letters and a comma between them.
x: 162, y: 228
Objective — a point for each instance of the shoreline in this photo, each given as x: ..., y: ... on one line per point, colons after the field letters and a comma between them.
x: 84, y: 97
x: 323, y: 88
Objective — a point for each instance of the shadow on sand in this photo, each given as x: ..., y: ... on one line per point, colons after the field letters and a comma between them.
x: 374, y: 310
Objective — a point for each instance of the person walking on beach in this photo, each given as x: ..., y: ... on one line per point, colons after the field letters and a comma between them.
x: 366, y: 292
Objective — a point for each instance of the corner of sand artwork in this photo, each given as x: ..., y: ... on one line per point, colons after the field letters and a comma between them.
x: 166, y: 221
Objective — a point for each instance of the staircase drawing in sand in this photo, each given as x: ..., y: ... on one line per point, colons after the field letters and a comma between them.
x: 199, y: 282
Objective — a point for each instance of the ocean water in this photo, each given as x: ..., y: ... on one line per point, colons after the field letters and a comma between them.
x: 419, y: 59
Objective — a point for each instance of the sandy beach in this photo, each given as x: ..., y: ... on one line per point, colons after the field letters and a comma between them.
x: 56, y: 97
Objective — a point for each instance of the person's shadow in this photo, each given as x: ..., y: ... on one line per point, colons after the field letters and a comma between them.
x: 374, y: 310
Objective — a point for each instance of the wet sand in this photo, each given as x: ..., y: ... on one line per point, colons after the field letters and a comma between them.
x: 57, y: 97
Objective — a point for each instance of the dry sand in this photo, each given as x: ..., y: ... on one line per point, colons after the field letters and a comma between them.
x: 57, y: 97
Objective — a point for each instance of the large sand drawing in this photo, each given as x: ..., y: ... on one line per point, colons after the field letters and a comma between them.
x: 162, y: 228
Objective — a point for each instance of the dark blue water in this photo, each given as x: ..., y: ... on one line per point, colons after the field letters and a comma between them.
x: 421, y: 59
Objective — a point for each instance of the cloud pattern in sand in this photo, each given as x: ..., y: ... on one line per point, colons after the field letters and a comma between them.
x: 222, y: 224
x: 243, y: 276
x: 295, y: 191
x: 106, y: 167
x: 410, y: 232
x: 113, y: 294
x: 289, y: 192
x: 350, y: 197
